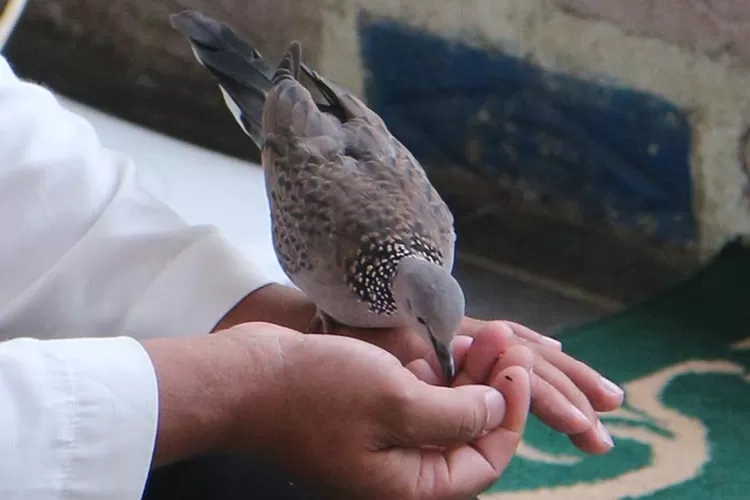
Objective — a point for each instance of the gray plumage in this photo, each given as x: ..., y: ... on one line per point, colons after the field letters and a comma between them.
x: 356, y: 223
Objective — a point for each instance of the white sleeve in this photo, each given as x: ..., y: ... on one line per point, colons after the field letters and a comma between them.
x: 78, y: 419
x: 86, y: 251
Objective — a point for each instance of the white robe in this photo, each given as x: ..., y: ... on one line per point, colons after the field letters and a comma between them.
x: 89, y: 262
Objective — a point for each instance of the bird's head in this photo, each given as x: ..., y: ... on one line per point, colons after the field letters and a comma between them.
x: 432, y: 303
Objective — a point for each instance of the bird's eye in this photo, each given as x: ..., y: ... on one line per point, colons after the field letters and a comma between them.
x: 421, y: 321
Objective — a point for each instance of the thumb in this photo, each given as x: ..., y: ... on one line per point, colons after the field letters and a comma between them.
x: 447, y: 416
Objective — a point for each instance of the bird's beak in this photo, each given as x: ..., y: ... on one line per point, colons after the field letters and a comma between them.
x: 445, y: 358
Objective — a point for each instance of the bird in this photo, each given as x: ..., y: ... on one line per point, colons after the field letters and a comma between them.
x: 356, y: 224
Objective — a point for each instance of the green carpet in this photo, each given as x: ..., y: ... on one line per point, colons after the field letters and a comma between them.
x: 684, y: 431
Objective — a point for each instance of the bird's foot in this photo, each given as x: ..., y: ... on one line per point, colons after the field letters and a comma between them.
x: 322, y: 323
x: 316, y: 324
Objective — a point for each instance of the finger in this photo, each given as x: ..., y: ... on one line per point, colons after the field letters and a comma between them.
x: 518, y: 355
x: 402, y: 343
x: 424, y: 372
x: 425, y: 415
x: 473, y: 468
x: 470, y: 326
x: 596, y: 441
x: 258, y: 328
x: 460, y: 346
x: 603, y: 394
x: 482, y: 356
x: 406, y: 345
x: 530, y: 335
x: 571, y: 413
x: 428, y: 370
x: 514, y: 384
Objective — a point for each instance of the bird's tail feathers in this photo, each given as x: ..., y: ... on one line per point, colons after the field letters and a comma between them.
x: 241, y: 72
x: 289, y: 66
x: 245, y: 77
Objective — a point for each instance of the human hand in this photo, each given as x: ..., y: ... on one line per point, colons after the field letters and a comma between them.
x: 566, y: 394
x: 562, y: 387
x: 348, y: 417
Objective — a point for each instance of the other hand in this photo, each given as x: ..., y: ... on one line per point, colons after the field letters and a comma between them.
x: 566, y: 394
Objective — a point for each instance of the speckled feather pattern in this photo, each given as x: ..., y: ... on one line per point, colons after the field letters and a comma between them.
x: 347, y: 201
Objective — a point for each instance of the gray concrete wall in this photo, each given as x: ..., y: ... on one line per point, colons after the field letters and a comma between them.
x: 692, y: 54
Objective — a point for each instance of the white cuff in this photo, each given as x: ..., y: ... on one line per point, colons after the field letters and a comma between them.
x: 83, y: 414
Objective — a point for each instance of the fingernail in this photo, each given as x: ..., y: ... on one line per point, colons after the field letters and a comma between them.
x: 495, y: 409
x: 611, y: 387
x: 604, y: 434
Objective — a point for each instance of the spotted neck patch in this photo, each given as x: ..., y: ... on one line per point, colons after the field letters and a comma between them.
x: 371, y: 272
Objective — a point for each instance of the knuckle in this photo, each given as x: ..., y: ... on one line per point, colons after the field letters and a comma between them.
x: 400, y: 402
x: 470, y: 424
x: 397, y: 396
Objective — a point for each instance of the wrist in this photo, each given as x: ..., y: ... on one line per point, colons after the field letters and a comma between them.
x: 274, y: 303
x: 196, y: 400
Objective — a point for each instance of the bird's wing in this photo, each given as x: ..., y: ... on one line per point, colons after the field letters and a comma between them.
x: 403, y: 188
x: 291, y: 114
x: 386, y: 160
x: 346, y: 168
